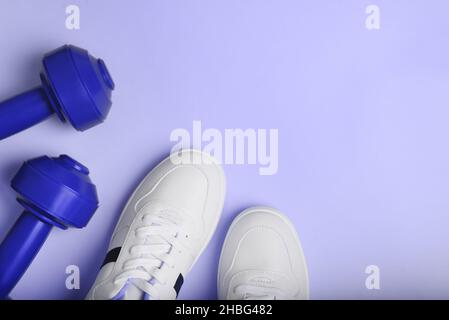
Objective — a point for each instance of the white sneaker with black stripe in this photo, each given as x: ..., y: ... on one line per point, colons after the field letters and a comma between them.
x: 163, y: 229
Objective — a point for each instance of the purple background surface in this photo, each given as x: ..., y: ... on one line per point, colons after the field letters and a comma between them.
x: 362, y: 118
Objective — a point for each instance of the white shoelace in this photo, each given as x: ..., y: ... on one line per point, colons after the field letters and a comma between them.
x: 160, y: 236
x: 251, y: 292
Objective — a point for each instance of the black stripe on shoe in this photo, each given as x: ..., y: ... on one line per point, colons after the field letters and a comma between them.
x: 178, y: 284
x: 112, y: 256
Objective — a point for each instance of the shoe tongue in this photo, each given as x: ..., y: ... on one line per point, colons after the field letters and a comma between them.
x: 169, y: 217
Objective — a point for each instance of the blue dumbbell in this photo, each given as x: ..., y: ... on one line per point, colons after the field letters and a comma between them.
x: 54, y: 192
x: 75, y: 86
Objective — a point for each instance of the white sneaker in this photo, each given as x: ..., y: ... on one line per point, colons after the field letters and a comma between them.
x: 163, y: 229
x: 262, y: 259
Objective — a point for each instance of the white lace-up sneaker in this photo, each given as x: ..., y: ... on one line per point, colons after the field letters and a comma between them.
x: 262, y: 259
x: 163, y: 229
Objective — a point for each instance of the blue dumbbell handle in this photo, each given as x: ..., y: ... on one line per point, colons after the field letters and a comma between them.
x: 23, y: 111
x: 19, y: 248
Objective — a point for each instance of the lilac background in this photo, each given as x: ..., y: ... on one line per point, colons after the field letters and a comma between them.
x: 362, y: 118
